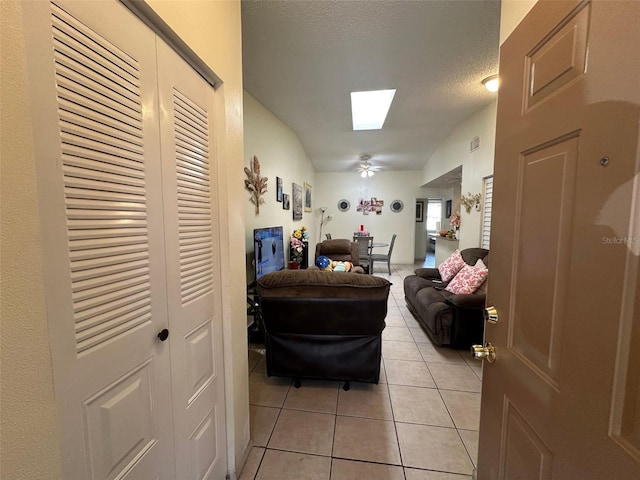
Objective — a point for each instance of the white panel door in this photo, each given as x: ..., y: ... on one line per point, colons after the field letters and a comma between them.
x: 193, y: 278
x: 94, y: 76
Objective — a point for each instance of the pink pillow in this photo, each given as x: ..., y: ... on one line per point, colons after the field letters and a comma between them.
x: 451, y: 266
x: 468, y: 279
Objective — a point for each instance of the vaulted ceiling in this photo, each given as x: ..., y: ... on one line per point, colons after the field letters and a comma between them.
x: 301, y: 60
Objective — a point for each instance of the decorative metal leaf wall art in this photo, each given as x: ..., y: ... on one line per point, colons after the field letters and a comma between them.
x: 256, y: 184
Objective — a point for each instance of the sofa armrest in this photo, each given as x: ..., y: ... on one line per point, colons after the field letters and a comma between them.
x: 470, y: 301
x: 428, y: 273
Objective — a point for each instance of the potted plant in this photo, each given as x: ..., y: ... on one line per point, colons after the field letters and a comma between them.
x: 297, y: 247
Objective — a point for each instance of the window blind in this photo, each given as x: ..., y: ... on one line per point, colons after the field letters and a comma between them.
x: 486, y: 212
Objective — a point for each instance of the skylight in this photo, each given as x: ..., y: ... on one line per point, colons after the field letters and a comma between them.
x: 369, y: 109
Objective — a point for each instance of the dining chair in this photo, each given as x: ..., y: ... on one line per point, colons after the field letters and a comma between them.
x: 365, y: 245
x: 381, y: 257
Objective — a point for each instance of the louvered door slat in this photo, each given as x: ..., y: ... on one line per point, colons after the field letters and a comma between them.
x: 93, y: 46
x: 85, y: 90
x: 99, y: 271
x: 107, y: 312
x: 102, y: 121
x: 189, y: 157
x: 120, y: 314
x: 185, y: 135
x: 68, y: 23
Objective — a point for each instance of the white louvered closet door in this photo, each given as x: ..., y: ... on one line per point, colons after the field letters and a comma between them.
x: 94, y: 80
x: 110, y: 196
x: 191, y: 232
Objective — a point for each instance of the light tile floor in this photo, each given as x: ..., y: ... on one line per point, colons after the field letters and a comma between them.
x: 419, y: 423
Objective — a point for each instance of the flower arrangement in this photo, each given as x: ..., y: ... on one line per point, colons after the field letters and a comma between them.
x: 296, y: 243
x: 454, y: 220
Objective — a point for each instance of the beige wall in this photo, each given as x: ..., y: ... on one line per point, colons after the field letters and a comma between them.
x: 511, y: 14
x: 281, y: 154
x: 475, y: 165
x: 30, y: 444
x: 387, y: 186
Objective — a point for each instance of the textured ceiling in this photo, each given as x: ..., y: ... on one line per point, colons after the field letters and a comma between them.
x: 302, y: 58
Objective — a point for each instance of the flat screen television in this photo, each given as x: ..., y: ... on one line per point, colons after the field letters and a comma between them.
x: 268, y: 248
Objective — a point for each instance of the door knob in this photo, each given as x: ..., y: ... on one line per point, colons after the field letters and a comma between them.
x: 487, y: 352
x: 163, y: 335
x: 491, y: 315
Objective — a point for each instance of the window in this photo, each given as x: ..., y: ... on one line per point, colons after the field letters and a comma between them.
x: 434, y: 214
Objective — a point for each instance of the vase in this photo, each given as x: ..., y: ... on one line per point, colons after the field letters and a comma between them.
x: 293, y: 265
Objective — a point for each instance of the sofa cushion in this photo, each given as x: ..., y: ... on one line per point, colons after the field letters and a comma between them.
x: 468, y: 279
x: 451, y: 266
x: 433, y: 307
x: 413, y: 284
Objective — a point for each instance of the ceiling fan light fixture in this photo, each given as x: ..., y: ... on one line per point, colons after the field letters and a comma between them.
x: 491, y: 83
x: 367, y: 173
x: 369, y: 109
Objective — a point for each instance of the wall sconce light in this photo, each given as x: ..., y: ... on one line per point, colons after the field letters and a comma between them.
x: 491, y: 83
x: 471, y: 201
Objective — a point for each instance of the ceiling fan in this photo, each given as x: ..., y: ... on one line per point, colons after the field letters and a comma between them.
x: 366, y: 169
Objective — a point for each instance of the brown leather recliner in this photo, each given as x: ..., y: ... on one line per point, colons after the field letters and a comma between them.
x: 342, y: 250
x: 323, y: 325
x: 339, y: 249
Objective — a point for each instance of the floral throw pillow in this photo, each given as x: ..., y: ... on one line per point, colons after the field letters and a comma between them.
x: 468, y: 279
x: 451, y: 266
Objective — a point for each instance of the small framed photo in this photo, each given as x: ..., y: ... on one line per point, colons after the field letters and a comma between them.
x: 448, y: 205
x: 419, y: 211
x: 286, y: 203
x: 307, y: 197
x: 278, y: 189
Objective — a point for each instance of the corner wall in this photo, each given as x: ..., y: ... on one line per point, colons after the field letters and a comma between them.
x: 281, y: 155
x: 475, y: 165
x: 30, y: 444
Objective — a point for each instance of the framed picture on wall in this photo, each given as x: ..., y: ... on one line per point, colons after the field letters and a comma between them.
x: 447, y: 213
x: 307, y: 197
x: 278, y: 189
x: 419, y: 211
x: 297, y: 201
x: 285, y: 201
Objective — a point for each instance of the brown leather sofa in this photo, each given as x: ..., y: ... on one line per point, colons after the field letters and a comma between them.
x: 323, y: 325
x: 449, y: 319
